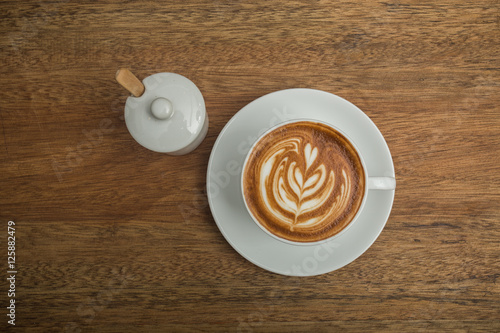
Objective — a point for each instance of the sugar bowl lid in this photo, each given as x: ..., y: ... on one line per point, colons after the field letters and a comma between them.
x: 166, y: 112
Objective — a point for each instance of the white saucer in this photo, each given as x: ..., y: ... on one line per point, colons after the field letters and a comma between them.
x: 224, y: 192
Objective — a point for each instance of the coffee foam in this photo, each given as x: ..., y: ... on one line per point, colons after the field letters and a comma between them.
x: 304, y: 182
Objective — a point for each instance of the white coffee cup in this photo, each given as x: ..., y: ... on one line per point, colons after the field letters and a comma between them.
x: 371, y: 183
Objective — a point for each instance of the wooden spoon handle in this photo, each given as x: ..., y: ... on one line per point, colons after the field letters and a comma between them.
x: 130, y: 82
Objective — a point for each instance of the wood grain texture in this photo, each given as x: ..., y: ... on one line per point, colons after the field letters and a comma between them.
x: 112, y: 237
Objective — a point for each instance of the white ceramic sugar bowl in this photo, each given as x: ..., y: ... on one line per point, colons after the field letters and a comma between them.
x: 166, y: 112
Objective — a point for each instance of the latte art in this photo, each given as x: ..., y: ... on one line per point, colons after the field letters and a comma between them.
x: 294, y: 191
x: 303, y: 182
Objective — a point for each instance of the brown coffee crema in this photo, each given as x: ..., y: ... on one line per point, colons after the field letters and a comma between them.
x: 304, y: 182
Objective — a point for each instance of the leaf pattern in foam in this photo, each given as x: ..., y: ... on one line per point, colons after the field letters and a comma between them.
x: 297, y: 190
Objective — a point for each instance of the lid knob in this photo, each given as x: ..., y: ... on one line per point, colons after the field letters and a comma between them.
x: 162, y: 108
x: 170, y: 117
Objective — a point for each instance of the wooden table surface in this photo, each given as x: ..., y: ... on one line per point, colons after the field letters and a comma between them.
x: 111, y: 237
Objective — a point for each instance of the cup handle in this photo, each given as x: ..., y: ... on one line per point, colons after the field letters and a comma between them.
x: 381, y: 183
